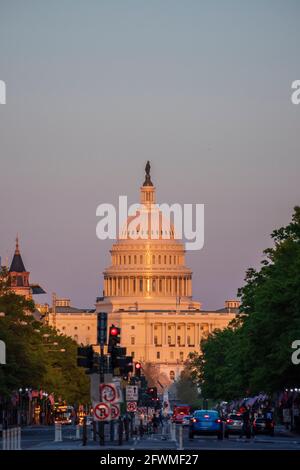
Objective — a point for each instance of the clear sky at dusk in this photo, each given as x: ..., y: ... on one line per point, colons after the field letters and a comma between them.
x: 96, y: 88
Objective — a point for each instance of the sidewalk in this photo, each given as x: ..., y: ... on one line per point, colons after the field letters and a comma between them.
x: 151, y: 442
x: 280, y: 430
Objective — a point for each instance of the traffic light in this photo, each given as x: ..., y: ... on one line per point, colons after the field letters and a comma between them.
x: 137, y: 369
x: 114, y: 338
x: 152, y: 393
x: 126, y: 365
x: 102, y: 328
x: 85, y: 357
x: 116, y: 354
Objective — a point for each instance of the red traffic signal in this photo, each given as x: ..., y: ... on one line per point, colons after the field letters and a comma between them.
x: 152, y: 392
x: 114, y: 331
x: 137, y: 369
x: 114, y: 338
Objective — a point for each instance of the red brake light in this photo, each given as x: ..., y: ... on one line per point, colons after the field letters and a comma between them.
x: 229, y: 421
x: 194, y: 420
x: 218, y: 420
x: 206, y: 416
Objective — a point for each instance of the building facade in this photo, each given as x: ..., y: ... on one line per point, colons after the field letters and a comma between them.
x: 148, y: 292
x: 78, y: 323
x: 19, y: 277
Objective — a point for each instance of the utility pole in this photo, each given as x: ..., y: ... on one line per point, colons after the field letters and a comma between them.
x: 101, y: 339
x: 101, y: 381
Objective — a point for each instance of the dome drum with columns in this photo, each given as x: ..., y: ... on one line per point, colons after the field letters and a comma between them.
x: 147, y: 262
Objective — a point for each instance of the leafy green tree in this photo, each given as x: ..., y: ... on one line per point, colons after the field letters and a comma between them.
x: 253, y: 353
x: 37, y: 356
x: 186, y: 388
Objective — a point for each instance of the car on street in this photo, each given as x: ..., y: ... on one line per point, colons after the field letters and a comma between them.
x: 186, y: 420
x: 234, y: 423
x: 179, y: 412
x: 206, y: 422
x: 262, y: 425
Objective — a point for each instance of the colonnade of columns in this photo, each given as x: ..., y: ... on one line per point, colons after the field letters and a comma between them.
x: 138, y: 285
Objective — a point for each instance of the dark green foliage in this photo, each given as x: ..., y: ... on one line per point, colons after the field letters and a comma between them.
x: 33, y: 353
x: 254, y: 353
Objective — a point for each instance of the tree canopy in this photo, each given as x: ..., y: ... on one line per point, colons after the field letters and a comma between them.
x: 253, y: 353
x: 34, y: 353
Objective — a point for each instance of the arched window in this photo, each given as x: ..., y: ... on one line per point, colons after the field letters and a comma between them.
x: 172, y: 375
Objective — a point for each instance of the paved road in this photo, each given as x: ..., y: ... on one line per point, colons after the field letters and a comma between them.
x: 261, y: 442
x: 42, y: 437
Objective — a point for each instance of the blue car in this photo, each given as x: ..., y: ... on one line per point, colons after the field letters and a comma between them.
x: 206, y: 422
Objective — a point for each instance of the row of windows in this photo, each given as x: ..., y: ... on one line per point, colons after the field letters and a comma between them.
x: 156, y: 259
x: 180, y: 341
x: 75, y: 328
x: 87, y: 339
x: 165, y: 234
x: 170, y: 341
x: 170, y: 327
x: 172, y: 355
x: 19, y: 280
x: 181, y: 355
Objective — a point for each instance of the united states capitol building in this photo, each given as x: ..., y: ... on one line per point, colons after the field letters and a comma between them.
x: 148, y: 294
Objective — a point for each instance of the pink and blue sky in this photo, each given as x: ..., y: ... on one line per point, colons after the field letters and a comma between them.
x: 96, y: 88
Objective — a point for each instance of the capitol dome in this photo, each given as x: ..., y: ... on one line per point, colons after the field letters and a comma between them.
x: 147, y: 260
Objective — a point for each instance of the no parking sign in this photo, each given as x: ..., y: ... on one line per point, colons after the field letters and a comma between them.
x: 101, y: 412
x: 115, y: 411
x: 131, y: 406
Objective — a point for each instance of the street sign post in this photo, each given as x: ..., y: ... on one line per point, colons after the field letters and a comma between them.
x: 131, y: 406
x: 115, y: 411
x: 101, y: 412
x: 132, y: 393
x: 108, y: 393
